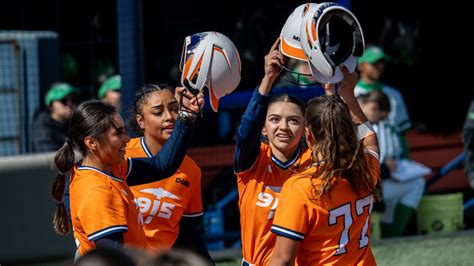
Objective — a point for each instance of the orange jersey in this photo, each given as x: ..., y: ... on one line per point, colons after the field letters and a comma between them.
x: 259, y: 189
x: 102, y: 204
x: 332, y: 229
x: 163, y: 203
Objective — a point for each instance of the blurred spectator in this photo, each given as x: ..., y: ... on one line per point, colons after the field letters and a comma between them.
x: 109, y: 92
x: 375, y: 105
x: 392, y: 133
x: 402, y: 195
x: 468, y: 140
x: 50, y: 126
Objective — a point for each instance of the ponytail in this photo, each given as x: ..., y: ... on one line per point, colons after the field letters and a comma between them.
x: 64, y: 161
x: 90, y: 118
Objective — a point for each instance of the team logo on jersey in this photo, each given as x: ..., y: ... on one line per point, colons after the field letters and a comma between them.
x: 157, y: 207
x: 182, y: 181
x: 269, y: 199
x: 159, y: 193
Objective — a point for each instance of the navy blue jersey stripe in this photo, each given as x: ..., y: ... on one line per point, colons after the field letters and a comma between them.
x: 287, y: 233
x: 107, y: 231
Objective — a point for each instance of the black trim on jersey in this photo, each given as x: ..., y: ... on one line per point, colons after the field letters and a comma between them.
x: 290, y: 162
x: 113, y: 241
x: 107, y: 231
x: 81, y: 167
x: 278, y: 230
x: 145, y: 147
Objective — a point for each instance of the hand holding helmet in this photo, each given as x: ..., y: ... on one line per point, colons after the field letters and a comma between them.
x: 274, y: 61
x: 210, y: 60
x: 189, y: 101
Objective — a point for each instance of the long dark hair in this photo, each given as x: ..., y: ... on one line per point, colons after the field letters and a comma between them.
x: 91, y: 118
x: 330, y: 122
x: 141, y: 97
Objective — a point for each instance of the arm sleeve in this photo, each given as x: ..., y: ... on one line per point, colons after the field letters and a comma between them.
x: 166, y: 162
x: 248, y: 135
x: 194, y: 206
x: 190, y: 239
x: 102, y: 212
x: 114, y: 241
x: 291, y: 217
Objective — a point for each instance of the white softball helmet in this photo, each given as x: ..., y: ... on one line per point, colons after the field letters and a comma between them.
x: 331, y: 35
x: 290, y: 33
x: 210, y: 59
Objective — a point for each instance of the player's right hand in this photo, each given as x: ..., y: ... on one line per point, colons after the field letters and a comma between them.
x: 274, y: 61
x: 191, y: 102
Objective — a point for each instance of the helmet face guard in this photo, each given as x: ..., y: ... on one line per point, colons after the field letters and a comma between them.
x: 189, y: 79
x: 330, y: 36
x: 210, y: 60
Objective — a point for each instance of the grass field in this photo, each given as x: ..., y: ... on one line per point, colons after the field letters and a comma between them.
x: 444, y: 249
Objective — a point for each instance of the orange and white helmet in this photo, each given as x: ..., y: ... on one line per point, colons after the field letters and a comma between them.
x: 331, y: 35
x: 290, y: 33
x: 210, y: 59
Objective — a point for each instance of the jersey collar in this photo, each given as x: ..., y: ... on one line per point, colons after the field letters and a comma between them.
x: 290, y: 162
x: 80, y: 167
x: 145, y: 148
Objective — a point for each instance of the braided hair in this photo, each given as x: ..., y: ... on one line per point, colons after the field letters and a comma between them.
x: 141, y: 97
x: 91, y: 118
x: 337, y: 144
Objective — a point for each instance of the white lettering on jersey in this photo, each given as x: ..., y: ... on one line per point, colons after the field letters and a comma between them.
x: 269, y: 199
x: 158, y: 208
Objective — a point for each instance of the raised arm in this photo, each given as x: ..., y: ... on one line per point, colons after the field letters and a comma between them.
x: 253, y: 119
x: 346, y: 90
x: 170, y: 157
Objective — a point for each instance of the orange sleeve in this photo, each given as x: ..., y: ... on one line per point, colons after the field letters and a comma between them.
x: 122, y: 170
x: 194, y: 207
x: 291, y: 218
x: 102, y: 212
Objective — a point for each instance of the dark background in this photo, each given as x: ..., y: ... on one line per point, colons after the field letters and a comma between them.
x: 428, y: 49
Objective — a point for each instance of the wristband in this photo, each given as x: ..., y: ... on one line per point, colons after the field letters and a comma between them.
x: 187, y: 117
x: 364, y: 130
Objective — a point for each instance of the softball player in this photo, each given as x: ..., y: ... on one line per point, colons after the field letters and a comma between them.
x: 103, y: 208
x: 262, y: 168
x: 324, y: 212
x: 169, y: 206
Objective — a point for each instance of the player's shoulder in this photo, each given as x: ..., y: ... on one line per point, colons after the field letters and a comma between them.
x: 190, y: 166
x: 134, y: 148
x: 91, y: 177
x: 301, y: 179
x: 306, y: 156
x: 134, y: 142
x: 85, y: 180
